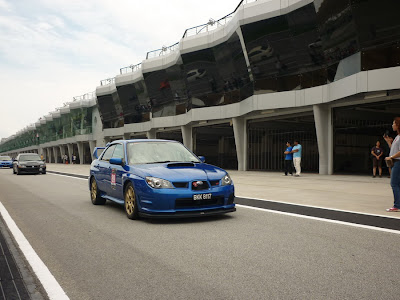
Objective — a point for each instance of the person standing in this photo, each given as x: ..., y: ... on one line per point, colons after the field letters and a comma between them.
x: 297, y: 157
x: 393, y: 159
x: 288, y: 159
x: 377, y: 157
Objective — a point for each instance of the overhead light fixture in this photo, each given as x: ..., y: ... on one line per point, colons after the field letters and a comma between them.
x: 375, y: 95
x: 268, y: 111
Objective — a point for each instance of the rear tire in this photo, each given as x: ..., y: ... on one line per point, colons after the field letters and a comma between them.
x: 95, y: 193
x: 44, y: 172
x: 131, y: 207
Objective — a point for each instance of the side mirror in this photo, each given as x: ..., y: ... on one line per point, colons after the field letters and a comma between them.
x: 116, y: 161
x: 202, y: 159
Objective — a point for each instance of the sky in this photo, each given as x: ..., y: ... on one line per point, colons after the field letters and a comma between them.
x: 54, y: 50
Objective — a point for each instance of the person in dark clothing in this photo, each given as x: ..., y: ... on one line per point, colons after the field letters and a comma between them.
x: 288, y: 159
x: 377, y: 158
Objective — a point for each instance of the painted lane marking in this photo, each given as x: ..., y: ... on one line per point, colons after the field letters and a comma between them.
x: 70, y: 176
x: 313, y: 206
x: 320, y: 219
x: 49, y: 283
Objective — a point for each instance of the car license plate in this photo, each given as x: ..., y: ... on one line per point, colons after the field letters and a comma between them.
x: 202, y: 196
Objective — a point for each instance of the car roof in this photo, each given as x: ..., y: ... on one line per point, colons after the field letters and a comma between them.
x: 28, y: 153
x: 142, y: 140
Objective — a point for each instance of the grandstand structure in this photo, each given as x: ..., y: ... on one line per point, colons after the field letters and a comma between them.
x: 323, y: 72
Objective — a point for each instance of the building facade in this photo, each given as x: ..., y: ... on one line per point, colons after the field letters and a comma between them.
x: 323, y: 72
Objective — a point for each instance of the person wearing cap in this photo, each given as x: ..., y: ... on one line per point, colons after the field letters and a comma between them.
x: 288, y: 159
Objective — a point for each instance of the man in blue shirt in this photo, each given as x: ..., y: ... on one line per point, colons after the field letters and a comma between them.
x: 288, y: 159
x: 297, y: 157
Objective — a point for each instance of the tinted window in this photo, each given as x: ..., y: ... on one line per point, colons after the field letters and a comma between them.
x: 108, y: 153
x: 29, y: 157
x: 118, y: 152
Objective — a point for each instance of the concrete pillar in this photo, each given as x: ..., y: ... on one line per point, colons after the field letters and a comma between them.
x: 194, y: 141
x: 324, y: 130
x: 81, y: 153
x: 240, y: 133
x: 221, y: 148
x: 70, y: 148
x: 151, y: 134
x: 62, y: 152
x: 56, y: 154
x: 92, y: 145
x: 48, y: 156
x: 187, y: 136
x: 107, y: 140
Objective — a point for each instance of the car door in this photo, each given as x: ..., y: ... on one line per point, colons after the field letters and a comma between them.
x: 116, y: 173
x: 103, y: 180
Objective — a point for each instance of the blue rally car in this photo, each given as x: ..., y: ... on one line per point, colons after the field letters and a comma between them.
x: 159, y: 178
x: 6, y: 161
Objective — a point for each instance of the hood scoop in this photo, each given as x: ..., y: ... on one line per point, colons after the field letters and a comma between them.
x: 180, y: 165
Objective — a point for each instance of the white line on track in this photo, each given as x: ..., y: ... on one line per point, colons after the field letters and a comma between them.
x: 321, y: 219
x: 67, y: 176
x: 312, y: 206
x: 49, y: 283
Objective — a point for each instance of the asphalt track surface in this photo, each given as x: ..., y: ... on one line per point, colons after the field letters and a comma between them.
x: 95, y: 252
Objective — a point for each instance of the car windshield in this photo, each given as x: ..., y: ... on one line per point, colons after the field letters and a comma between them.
x: 158, y: 152
x: 3, y: 158
x: 29, y: 157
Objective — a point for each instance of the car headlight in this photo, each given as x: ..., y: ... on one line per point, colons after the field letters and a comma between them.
x: 226, y: 180
x: 158, y: 183
x: 42, y: 165
x: 22, y: 166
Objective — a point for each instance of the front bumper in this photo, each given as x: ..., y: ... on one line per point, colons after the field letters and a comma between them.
x: 188, y: 214
x: 35, y: 169
x: 180, y: 202
x: 6, y: 165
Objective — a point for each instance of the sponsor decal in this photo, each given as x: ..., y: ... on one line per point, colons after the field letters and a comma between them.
x: 113, y: 178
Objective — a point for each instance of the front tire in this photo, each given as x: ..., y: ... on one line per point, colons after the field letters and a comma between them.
x: 95, y: 193
x: 131, y: 207
x: 44, y: 172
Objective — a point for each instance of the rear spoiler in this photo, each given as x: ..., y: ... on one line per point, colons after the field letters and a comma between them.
x: 95, y: 155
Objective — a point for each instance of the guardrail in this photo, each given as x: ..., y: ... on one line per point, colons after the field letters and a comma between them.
x: 86, y: 96
x: 107, y: 81
x: 130, y: 69
x: 162, y: 51
x: 213, y: 24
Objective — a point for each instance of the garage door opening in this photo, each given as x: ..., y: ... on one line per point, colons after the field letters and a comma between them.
x: 267, y: 142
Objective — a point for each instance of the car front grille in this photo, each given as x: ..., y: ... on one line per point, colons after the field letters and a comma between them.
x: 180, y: 184
x: 190, y: 203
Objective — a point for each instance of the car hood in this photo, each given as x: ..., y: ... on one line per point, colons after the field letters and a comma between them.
x: 179, y: 172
